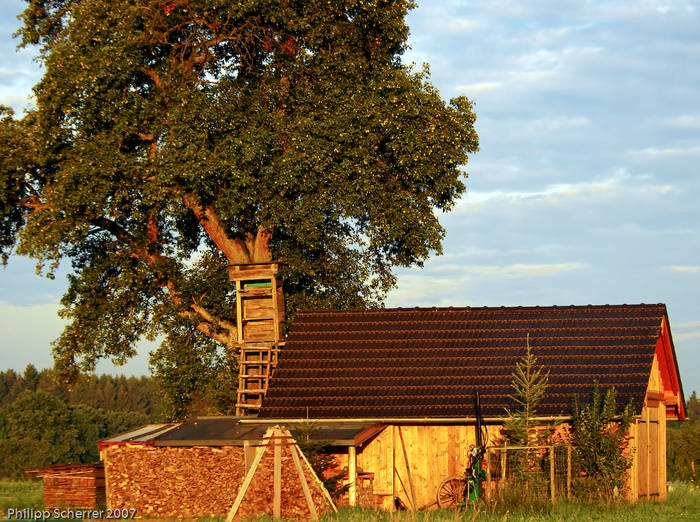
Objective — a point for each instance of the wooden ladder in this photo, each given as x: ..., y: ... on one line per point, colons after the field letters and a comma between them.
x: 259, y: 317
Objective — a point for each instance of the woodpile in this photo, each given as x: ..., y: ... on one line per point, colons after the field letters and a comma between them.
x: 280, y: 483
x: 73, y: 485
x: 173, y: 481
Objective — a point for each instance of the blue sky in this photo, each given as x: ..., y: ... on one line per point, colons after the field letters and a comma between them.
x: 585, y: 187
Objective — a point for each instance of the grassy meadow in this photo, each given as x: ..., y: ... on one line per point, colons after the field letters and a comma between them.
x: 683, y: 504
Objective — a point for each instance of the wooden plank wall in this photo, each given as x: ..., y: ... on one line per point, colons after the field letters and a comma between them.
x: 648, y: 444
x: 422, y: 457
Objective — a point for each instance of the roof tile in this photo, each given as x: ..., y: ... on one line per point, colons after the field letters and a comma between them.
x: 428, y: 362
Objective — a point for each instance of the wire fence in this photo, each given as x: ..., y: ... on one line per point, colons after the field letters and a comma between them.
x: 529, y: 473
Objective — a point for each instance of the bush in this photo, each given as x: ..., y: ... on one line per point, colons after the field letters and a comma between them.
x: 599, y: 434
x: 18, y: 455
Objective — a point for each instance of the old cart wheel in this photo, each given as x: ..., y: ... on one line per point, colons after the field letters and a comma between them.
x: 450, y: 494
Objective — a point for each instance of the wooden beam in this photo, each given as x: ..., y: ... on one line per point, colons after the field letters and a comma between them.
x: 393, y: 463
x: 304, y: 484
x: 551, y: 473
x: 367, y: 434
x: 648, y: 454
x: 568, y: 472
x: 488, y: 473
x: 277, y: 481
x: 352, y: 476
x: 275, y: 313
x: 239, y: 312
x: 249, y: 477
x: 408, y: 470
x: 318, y: 481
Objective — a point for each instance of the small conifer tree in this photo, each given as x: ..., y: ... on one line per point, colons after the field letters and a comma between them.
x: 529, y: 384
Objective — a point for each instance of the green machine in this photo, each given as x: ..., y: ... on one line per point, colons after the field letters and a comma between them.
x: 475, y: 474
x: 461, y: 491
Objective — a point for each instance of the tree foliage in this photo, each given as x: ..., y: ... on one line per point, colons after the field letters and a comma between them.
x: 172, y: 138
x: 683, y: 445
x: 599, y: 433
x: 105, y: 392
x: 39, y: 429
x: 321, y: 458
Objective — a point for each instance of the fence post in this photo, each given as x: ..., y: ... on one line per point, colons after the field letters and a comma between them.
x: 551, y: 471
x: 488, y: 473
x: 568, y: 472
x: 503, y: 463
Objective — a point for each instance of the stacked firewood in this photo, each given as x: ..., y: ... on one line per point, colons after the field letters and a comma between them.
x: 258, y: 498
x: 173, y: 481
x: 73, y: 485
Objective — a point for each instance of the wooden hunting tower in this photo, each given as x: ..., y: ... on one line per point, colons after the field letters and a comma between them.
x: 259, y: 321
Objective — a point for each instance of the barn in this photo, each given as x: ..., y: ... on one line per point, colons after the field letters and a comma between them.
x: 416, y: 372
x: 393, y: 390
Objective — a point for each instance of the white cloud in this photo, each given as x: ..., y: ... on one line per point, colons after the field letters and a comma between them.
x: 423, y: 289
x: 686, y: 336
x: 461, y: 25
x: 478, y: 87
x: 619, y: 183
x: 683, y: 121
x: 683, y: 269
x: 686, y: 331
x: 524, y: 270
x: 667, y: 152
x: 559, y: 124
x: 686, y: 326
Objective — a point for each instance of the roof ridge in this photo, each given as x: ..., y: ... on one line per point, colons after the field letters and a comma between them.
x: 356, y: 311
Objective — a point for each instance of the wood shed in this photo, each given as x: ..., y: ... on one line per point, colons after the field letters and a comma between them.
x: 414, y: 372
x: 198, y: 468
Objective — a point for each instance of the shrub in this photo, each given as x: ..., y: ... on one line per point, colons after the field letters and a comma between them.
x: 599, y: 434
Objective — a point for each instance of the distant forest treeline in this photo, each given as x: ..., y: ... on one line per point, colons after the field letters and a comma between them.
x: 43, y: 423
x: 107, y: 392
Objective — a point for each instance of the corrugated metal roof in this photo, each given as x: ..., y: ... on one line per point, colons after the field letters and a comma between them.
x: 233, y: 431
x: 428, y: 362
x: 141, y: 434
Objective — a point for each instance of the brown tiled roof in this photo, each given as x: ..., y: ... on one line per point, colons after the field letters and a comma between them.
x: 428, y: 362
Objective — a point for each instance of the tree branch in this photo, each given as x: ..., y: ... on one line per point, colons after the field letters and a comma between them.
x: 235, y: 250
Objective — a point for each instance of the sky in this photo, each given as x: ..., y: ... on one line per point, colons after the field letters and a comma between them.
x: 584, y: 190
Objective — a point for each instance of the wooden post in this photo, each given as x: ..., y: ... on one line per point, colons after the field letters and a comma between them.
x: 352, y: 475
x: 568, y: 472
x: 393, y: 464
x: 275, y: 314
x: 504, y: 455
x: 408, y: 471
x: 239, y: 313
x: 249, y: 476
x: 551, y: 472
x: 277, y: 479
x: 248, y: 454
x: 488, y: 473
x: 648, y: 455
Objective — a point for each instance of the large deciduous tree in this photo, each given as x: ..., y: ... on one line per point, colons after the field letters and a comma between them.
x: 172, y: 138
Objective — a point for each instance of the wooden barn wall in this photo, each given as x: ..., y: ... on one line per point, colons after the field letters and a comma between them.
x: 435, y: 452
x: 648, y: 443
x: 173, y: 481
x: 422, y: 455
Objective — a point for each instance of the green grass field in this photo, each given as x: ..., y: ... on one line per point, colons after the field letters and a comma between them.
x: 25, y: 494
x: 683, y: 504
